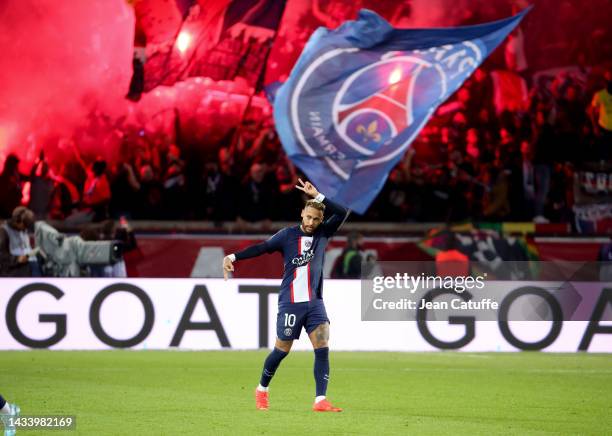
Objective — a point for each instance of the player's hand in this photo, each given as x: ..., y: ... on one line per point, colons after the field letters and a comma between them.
x: 307, y: 187
x: 228, y: 266
x: 22, y: 259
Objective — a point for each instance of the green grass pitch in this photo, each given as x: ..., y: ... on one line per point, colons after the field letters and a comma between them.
x: 167, y: 392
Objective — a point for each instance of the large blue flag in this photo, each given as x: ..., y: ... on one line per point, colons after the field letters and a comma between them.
x: 358, y: 96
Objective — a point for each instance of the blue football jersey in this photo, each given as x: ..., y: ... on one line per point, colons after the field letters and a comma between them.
x: 303, y: 254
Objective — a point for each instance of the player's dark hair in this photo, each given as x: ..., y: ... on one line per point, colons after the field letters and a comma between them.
x: 315, y: 204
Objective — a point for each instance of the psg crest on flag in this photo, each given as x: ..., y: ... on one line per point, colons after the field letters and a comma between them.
x: 360, y: 94
x: 379, y: 103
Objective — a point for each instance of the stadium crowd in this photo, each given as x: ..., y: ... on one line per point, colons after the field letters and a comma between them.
x: 472, y: 161
x: 506, y: 147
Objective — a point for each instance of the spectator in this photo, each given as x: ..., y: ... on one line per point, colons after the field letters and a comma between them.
x: 267, y: 148
x: 496, y: 205
x: 507, y: 142
x: 174, y: 184
x: 149, y: 197
x: 561, y: 196
x: 601, y: 115
x: 348, y: 264
x: 256, y: 198
x: 41, y: 188
x: 289, y: 199
x: 480, y: 100
x: 97, y: 193
x: 391, y: 202
x: 16, y: 256
x: 525, y: 203
x: 463, y: 186
x: 221, y: 188
x: 472, y: 145
x: 242, y: 148
x: 65, y: 198
x: 124, y: 191
x: 570, y: 121
x: 10, y: 186
x: 543, y: 144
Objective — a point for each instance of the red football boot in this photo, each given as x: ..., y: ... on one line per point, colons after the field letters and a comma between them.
x: 261, y: 400
x: 325, y: 406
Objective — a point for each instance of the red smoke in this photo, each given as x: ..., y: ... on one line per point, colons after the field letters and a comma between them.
x: 66, y: 65
x: 60, y: 60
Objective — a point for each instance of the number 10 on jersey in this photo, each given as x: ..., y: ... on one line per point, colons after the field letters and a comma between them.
x: 289, y: 320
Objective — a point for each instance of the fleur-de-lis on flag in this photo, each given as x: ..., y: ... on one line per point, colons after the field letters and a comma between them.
x: 370, y: 133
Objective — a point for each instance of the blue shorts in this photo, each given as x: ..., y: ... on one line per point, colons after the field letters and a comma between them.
x: 293, y: 316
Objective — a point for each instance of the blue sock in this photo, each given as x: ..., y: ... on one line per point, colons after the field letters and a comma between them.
x: 270, y: 365
x: 2, y: 402
x: 321, y: 369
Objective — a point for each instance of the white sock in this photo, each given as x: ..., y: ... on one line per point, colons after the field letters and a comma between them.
x: 262, y: 388
x: 319, y: 398
x: 6, y: 409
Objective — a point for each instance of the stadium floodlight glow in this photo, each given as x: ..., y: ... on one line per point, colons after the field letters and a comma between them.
x: 183, y: 41
x: 396, y: 76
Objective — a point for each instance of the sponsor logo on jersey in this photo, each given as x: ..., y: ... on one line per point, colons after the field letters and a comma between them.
x: 303, y: 259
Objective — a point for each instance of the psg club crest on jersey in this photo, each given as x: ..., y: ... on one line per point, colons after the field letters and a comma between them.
x: 288, y: 332
x: 307, y: 244
x: 360, y: 94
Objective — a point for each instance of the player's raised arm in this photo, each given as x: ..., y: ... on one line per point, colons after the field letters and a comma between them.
x: 275, y: 243
x: 335, y: 214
